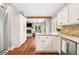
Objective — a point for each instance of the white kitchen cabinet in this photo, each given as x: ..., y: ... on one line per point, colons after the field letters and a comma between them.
x: 74, y: 13
x: 69, y: 14
x: 54, y: 25
x: 56, y: 43
x: 64, y: 16
x: 47, y: 43
x: 59, y: 19
x: 40, y: 43
x: 64, y: 46
x: 48, y: 26
x: 43, y: 43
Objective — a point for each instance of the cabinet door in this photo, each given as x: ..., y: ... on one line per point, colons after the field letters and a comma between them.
x: 74, y: 13
x: 52, y: 43
x: 64, y: 16
x: 64, y: 46
x: 55, y: 44
x: 48, y: 44
x: 48, y: 25
x: 59, y: 19
x: 54, y: 25
x: 39, y: 42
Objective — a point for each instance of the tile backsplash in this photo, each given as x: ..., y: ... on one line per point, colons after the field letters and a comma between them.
x: 71, y: 29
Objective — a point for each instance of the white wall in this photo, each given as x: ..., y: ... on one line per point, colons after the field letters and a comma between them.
x: 15, y: 28
x: 1, y: 28
x: 9, y: 26
x: 22, y: 29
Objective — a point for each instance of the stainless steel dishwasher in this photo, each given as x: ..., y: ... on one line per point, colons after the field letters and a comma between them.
x: 68, y: 47
x: 71, y: 48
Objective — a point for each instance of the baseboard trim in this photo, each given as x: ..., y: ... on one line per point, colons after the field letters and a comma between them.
x: 54, y: 53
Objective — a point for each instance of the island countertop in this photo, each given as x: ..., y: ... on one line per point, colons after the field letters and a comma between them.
x: 46, y: 34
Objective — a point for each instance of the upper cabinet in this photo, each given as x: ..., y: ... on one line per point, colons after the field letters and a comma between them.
x: 69, y: 14
x: 64, y: 16
x: 59, y: 20
x: 74, y: 13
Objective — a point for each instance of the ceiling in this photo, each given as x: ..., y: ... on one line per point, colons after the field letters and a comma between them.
x: 38, y: 9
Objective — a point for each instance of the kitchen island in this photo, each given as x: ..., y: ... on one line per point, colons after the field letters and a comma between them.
x: 47, y: 42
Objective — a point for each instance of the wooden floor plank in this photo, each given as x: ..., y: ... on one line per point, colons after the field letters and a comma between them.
x: 28, y: 48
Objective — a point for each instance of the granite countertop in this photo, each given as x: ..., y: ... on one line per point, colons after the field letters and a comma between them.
x: 46, y: 34
x: 69, y: 37
x: 70, y: 32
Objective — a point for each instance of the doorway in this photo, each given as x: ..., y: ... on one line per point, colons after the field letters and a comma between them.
x: 3, y: 32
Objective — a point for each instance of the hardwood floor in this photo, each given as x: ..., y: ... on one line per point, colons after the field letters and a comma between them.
x: 28, y: 48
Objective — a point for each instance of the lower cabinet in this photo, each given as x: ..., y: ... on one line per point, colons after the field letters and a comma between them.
x: 46, y: 43
x: 68, y: 47
x: 63, y: 46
